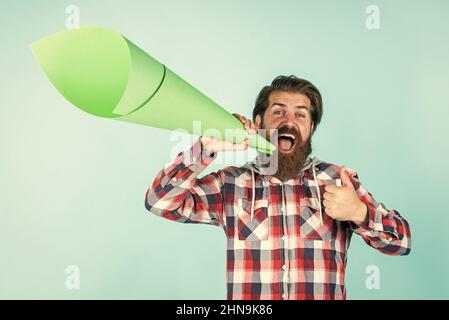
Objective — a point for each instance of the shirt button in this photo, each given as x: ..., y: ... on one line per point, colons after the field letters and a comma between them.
x: 284, y: 267
x: 283, y: 296
x: 283, y: 238
x: 174, y: 179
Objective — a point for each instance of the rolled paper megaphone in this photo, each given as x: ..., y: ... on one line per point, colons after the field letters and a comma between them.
x: 104, y: 74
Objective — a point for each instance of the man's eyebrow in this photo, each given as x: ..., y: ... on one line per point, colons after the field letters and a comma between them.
x: 284, y: 106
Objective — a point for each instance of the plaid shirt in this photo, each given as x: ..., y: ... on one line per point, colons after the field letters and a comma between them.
x: 284, y: 251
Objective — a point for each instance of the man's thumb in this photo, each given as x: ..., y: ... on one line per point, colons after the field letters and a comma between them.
x: 345, y: 179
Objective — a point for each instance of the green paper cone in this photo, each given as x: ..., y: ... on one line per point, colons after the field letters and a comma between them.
x: 104, y: 74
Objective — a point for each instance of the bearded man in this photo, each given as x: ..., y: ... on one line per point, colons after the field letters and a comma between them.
x: 288, y: 229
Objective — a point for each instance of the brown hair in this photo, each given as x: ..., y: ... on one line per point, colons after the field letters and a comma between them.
x: 290, y: 84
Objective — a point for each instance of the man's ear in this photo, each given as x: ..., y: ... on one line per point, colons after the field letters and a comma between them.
x: 258, y: 121
x: 312, y: 130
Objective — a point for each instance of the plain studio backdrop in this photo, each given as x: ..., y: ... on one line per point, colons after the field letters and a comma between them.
x: 72, y: 219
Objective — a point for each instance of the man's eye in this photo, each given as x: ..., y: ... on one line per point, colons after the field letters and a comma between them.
x: 278, y: 112
x: 301, y: 115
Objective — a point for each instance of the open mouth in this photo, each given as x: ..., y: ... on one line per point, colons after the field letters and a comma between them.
x: 286, y: 142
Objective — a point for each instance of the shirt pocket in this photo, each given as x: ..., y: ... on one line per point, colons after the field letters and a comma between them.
x: 257, y: 228
x: 310, y: 221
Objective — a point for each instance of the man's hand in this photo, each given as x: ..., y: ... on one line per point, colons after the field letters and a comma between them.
x: 248, y: 124
x: 342, y: 203
x: 212, y: 145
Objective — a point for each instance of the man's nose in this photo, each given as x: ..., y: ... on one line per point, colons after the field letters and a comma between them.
x: 290, y: 123
x: 290, y: 118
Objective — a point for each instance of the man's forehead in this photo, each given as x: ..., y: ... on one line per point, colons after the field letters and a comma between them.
x: 292, y: 99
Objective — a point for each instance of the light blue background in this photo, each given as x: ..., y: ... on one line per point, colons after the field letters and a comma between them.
x: 72, y: 185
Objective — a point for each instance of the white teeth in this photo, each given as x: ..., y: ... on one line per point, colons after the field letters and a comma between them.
x: 288, y: 135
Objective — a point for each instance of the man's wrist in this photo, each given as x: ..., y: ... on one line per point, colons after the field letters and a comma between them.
x: 208, y: 153
x: 362, y: 215
x: 205, y: 152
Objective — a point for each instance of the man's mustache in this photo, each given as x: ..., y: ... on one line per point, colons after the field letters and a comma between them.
x: 286, y: 130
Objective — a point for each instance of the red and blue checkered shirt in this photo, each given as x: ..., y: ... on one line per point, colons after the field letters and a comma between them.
x: 286, y: 247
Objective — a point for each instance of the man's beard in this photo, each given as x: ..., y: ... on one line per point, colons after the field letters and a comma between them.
x: 289, y: 165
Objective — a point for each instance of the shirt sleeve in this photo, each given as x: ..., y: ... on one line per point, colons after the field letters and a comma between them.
x: 176, y: 193
x: 385, y: 230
